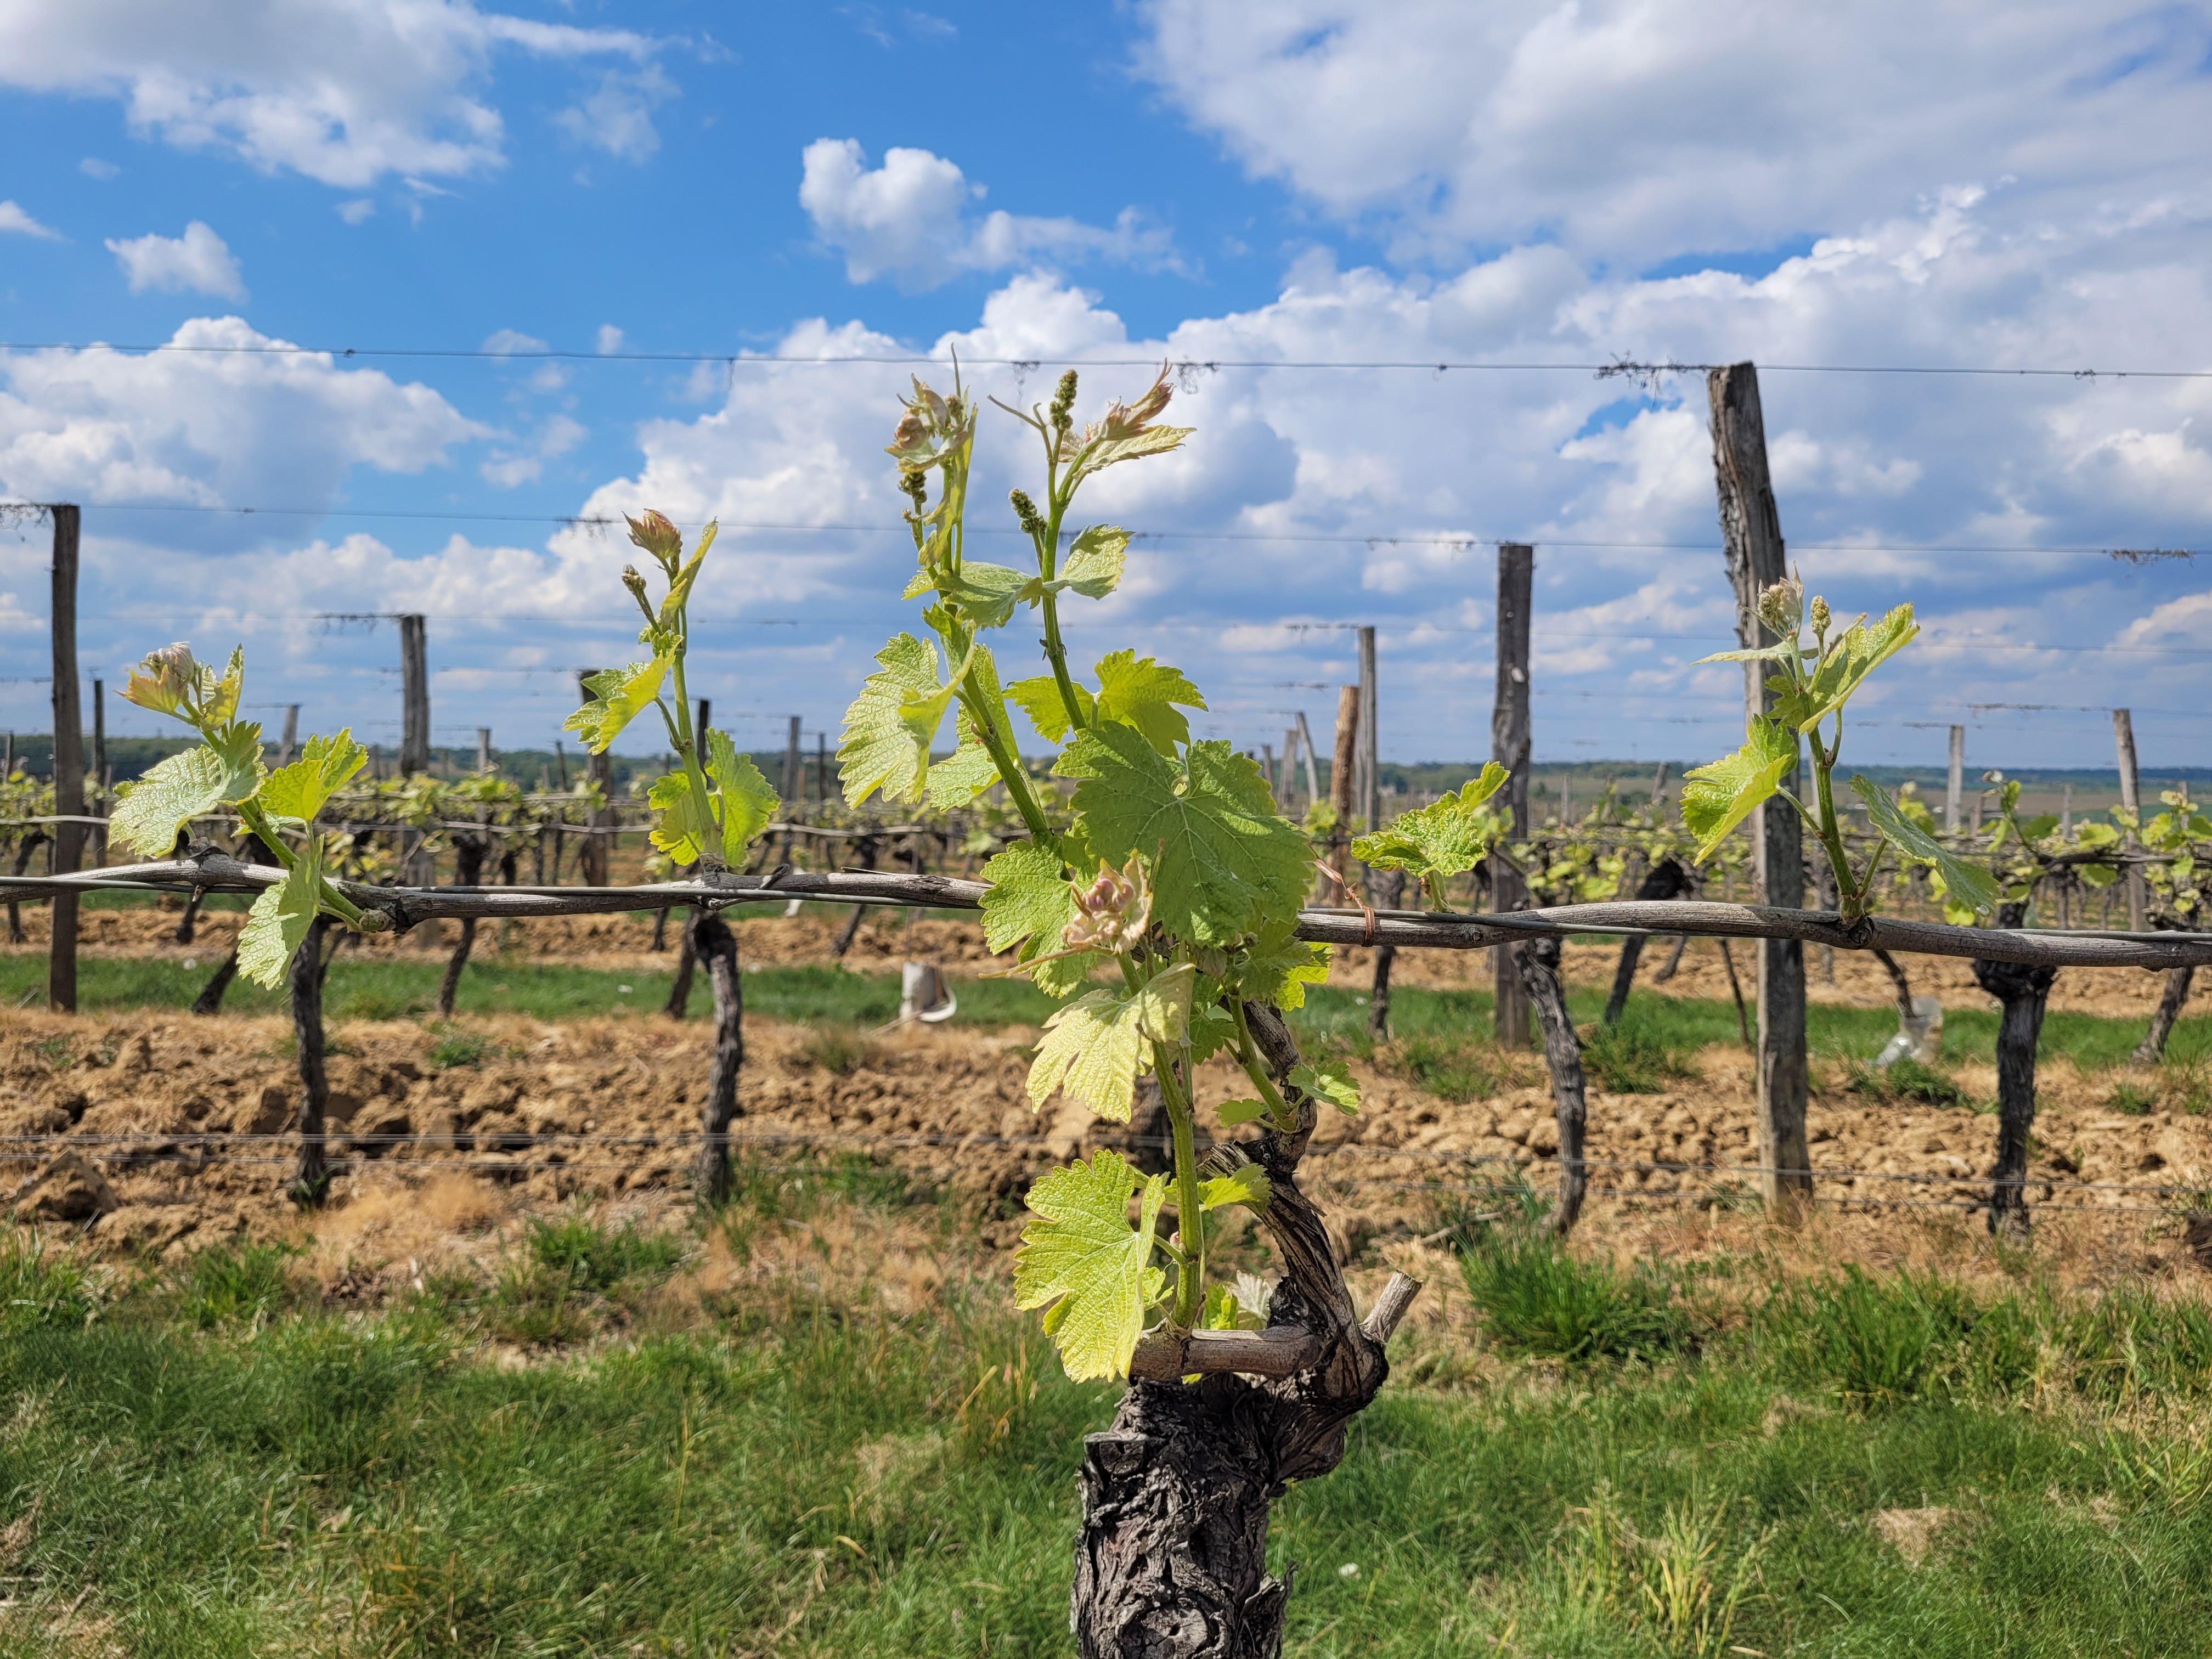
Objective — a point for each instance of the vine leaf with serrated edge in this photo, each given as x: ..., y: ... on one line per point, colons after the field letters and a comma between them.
x: 1975, y: 888
x: 878, y: 749
x: 748, y: 804
x: 1326, y: 1079
x: 1082, y: 1261
x: 1039, y: 698
x: 1278, y: 966
x: 1246, y: 1184
x: 1094, y: 1046
x: 294, y: 794
x: 1446, y: 838
x: 1139, y: 692
x: 1028, y: 903
x: 1092, y: 568
x: 1718, y: 797
x: 227, y: 768
x: 618, y: 696
x: 1222, y: 860
x: 279, y: 920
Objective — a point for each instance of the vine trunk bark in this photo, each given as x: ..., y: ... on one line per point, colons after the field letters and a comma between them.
x: 1538, y: 961
x: 2171, y: 1002
x: 713, y: 943
x: 1666, y: 879
x: 1171, y: 1561
x: 469, y: 851
x: 311, y: 1170
x: 2024, y: 991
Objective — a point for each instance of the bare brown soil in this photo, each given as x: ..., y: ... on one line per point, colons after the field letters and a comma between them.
x: 191, y: 1121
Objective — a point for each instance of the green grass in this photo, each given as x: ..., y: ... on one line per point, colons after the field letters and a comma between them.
x: 810, y: 1478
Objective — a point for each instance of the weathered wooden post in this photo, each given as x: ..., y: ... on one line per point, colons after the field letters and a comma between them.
x: 1306, y: 754
x: 69, y: 763
x: 794, y: 779
x: 1509, y: 746
x: 1342, y: 775
x: 484, y: 749
x: 291, y: 743
x: 103, y: 781
x: 592, y: 860
x: 1954, y: 790
x: 1751, y: 527
x: 1369, y: 773
x: 414, y: 697
x: 2124, y: 737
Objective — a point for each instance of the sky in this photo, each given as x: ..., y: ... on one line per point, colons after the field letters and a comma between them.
x: 728, y: 216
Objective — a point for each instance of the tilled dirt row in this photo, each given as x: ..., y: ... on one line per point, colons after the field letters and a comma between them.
x: 184, y: 1128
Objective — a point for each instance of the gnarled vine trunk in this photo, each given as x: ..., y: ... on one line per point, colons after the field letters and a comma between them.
x: 469, y: 851
x: 1666, y: 879
x: 1172, y: 1562
x: 1538, y: 961
x: 713, y: 943
x: 311, y: 1170
x: 2171, y: 1002
x: 2024, y: 991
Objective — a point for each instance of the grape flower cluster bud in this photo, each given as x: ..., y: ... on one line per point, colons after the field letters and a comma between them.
x: 1025, y: 512
x: 658, y: 537
x: 1782, y: 607
x: 1112, y: 911
x: 1820, y: 615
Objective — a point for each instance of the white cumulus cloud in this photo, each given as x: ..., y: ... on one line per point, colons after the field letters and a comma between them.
x: 14, y: 221
x: 343, y: 91
x: 1638, y: 129
x: 199, y: 262
x: 909, y: 220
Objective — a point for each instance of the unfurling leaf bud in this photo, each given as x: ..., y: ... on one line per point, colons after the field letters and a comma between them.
x: 1782, y: 607
x: 1025, y: 511
x: 1112, y: 912
x: 1820, y: 615
x: 658, y: 536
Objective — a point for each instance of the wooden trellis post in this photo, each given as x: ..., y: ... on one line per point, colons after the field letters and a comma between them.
x: 1751, y: 527
x: 1509, y: 746
x: 69, y: 763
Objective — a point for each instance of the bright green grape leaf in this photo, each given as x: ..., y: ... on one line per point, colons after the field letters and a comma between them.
x: 1780, y: 650
x: 879, y: 749
x: 1717, y: 798
x: 1326, y: 1079
x: 1221, y: 859
x: 683, y: 826
x: 2096, y: 875
x: 1238, y: 1307
x: 1281, y: 965
x: 1851, y: 659
x: 1029, y: 899
x: 679, y: 589
x: 986, y: 593
x: 279, y: 918
x: 1094, y: 1046
x: 1973, y: 887
x: 1247, y: 1184
x: 1234, y: 1112
x: 1139, y: 692
x: 1039, y: 698
x: 971, y: 771
x: 1445, y: 839
x: 296, y: 792
x: 173, y: 681
x: 1082, y: 1261
x: 1092, y: 567
x: 1105, y: 451
x: 749, y: 805
x: 1028, y: 903
x: 227, y: 768
x: 618, y: 696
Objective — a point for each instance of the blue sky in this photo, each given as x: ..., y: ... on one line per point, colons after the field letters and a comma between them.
x: 1947, y: 186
